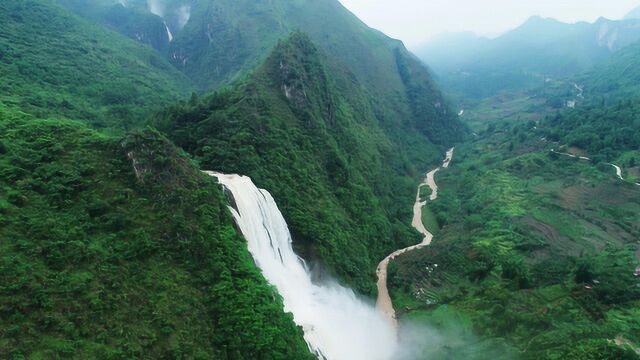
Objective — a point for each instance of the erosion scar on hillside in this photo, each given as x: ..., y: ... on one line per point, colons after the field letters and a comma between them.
x: 384, y: 303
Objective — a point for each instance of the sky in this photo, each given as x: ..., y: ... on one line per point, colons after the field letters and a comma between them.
x: 416, y: 21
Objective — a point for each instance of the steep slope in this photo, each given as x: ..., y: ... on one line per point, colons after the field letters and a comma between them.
x: 535, y: 257
x: 221, y: 41
x: 633, y: 14
x: 604, y: 122
x: 131, y: 19
x: 152, y: 23
x: 527, y: 56
x: 53, y: 62
x: 225, y: 38
x: 121, y: 248
x: 616, y: 79
x: 308, y: 132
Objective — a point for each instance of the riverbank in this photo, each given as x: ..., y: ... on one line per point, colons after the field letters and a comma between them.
x: 384, y: 303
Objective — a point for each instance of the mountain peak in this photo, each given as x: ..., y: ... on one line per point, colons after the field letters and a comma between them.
x: 633, y: 14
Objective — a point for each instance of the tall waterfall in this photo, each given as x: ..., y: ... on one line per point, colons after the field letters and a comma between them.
x: 337, y: 325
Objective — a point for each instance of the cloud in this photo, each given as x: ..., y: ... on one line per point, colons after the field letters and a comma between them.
x: 157, y: 7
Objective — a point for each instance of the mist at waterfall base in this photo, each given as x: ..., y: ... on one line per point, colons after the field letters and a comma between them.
x: 336, y: 323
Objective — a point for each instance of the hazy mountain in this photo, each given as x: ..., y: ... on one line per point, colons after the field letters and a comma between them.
x: 154, y: 23
x: 221, y: 41
x: 633, y: 14
x: 528, y: 55
x: 54, y: 63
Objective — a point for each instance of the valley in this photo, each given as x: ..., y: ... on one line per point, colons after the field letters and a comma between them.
x: 117, y: 242
x: 384, y: 303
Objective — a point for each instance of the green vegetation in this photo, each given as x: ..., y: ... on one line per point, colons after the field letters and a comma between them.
x: 607, y: 132
x: 429, y: 220
x: 344, y: 185
x: 528, y: 57
x: 121, y: 248
x: 537, y: 252
x: 133, y: 20
x: 226, y: 40
x: 53, y: 63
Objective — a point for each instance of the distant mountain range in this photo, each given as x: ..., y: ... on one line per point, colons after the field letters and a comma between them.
x: 527, y: 56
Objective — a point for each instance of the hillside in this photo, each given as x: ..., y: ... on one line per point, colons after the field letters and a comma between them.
x: 526, y: 57
x: 601, y: 120
x: 54, y: 63
x: 534, y: 258
x: 536, y: 253
x: 121, y: 248
x: 221, y: 41
x: 307, y: 132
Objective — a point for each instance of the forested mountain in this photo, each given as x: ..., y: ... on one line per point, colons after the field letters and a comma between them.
x: 116, y: 246
x: 370, y: 84
x: 224, y: 40
x: 604, y: 121
x: 54, y: 63
x: 122, y: 248
x: 306, y: 129
x: 130, y: 18
x: 527, y: 56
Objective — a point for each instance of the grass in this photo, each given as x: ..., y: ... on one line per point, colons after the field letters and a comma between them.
x: 429, y: 220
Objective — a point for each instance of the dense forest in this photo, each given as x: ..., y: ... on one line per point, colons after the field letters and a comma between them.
x: 122, y: 248
x: 115, y: 245
x: 342, y: 183
x: 53, y: 63
x: 607, y: 132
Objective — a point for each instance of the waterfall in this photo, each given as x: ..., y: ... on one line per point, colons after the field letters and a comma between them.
x: 337, y: 324
x: 169, y: 34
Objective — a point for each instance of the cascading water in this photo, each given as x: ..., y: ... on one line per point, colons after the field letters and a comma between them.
x: 337, y: 324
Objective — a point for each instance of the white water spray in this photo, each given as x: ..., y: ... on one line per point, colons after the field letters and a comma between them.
x: 337, y: 324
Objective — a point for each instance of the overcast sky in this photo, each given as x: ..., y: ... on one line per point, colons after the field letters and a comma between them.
x: 415, y: 21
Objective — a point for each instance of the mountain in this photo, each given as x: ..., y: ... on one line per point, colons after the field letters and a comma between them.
x: 116, y: 246
x: 527, y: 56
x: 152, y: 23
x: 119, y: 247
x: 307, y: 130
x: 223, y: 40
x: 617, y: 78
x: 604, y: 122
x: 633, y: 14
x: 54, y: 63
x: 133, y: 20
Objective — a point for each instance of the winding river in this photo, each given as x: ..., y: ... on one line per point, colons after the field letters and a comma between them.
x: 384, y: 303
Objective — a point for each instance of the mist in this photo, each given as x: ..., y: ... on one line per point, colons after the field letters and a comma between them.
x: 157, y: 7
x: 417, y: 21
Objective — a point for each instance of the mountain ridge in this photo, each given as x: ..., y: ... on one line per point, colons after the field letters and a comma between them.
x: 527, y: 56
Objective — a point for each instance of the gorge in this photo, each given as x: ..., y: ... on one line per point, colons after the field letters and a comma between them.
x: 336, y: 323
